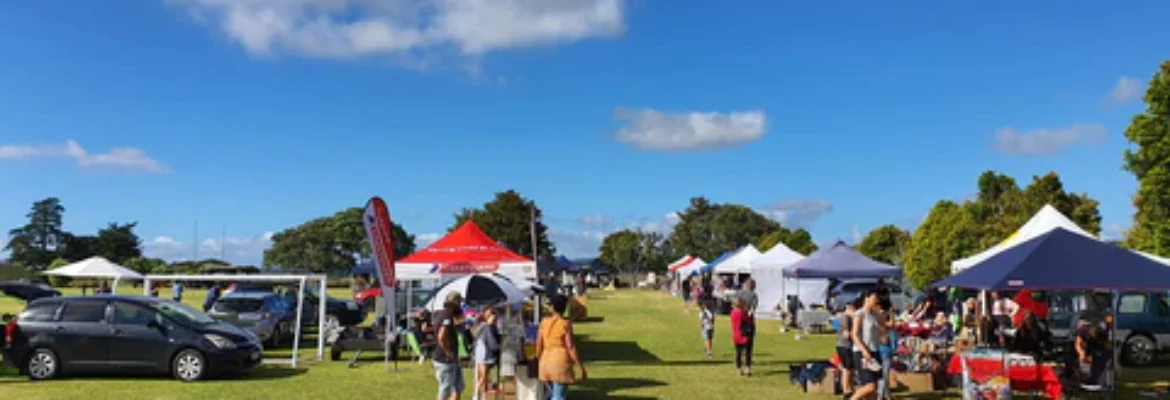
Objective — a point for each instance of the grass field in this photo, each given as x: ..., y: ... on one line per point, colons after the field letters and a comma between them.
x: 637, y: 344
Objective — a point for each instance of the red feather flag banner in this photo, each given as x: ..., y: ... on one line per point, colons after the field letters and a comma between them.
x: 381, y: 236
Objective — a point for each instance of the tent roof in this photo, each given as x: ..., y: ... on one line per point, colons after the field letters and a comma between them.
x: 95, y: 267
x: 779, y: 256
x: 722, y: 257
x: 1063, y: 259
x: 1045, y: 220
x: 693, y: 267
x: 840, y: 261
x: 740, y: 262
x: 467, y: 243
x: 684, y: 262
x: 563, y: 261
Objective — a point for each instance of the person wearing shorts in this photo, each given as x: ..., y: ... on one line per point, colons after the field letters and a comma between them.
x: 448, y: 370
x: 707, y: 324
x: 868, y: 331
x: 845, y: 346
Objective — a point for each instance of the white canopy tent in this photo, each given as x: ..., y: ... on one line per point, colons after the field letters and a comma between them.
x: 301, y: 281
x: 1047, y: 219
x: 772, y: 287
x: 740, y: 263
x: 96, y: 268
x: 694, y: 267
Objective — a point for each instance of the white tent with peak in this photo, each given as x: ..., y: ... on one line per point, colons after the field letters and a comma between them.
x: 740, y: 263
x: 1047, y: 219
x: 96, y: 268
x: 772, y: 287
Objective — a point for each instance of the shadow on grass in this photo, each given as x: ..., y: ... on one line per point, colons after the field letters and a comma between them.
x: 617, y: 353
x: 258, y: 374
x: 589, y: 320
x: 603, y: 388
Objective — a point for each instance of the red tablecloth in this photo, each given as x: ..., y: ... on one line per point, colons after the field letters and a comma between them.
x: 917, y: 330
x: 1024, y: 378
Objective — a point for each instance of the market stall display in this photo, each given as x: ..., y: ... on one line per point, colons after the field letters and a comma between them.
x: 990, y: 367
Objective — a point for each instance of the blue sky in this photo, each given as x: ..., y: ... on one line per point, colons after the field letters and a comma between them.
x: 253, y: 116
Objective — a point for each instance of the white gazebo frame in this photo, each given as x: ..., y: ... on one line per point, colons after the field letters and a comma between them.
x: 302, y: 280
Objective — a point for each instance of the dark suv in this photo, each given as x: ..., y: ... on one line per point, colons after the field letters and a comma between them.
x: 99, y: 333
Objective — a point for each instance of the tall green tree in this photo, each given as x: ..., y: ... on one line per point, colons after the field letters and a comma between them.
x: 707, y: 230
x: 949, y: 232
x: 886, y: 243
x: 622, y: 250
x: 77, y: 248
x: 332, y: 243
x: 1149, y: 162
x: 118, y: 242
x: 508, y: 219
x: 798, y: 240
x: 34, y: 245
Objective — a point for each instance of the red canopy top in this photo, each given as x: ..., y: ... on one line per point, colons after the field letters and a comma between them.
x: 468, y: 244
x: 685, y: 262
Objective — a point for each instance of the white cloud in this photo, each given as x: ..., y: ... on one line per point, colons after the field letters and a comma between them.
x: 1047, y: 141
x: 1126, y: 89
x: 597, y: 221
x: 130, y: 159
x: 797, y: 213
x: 855, y: 233
x: 423, y: 239
x: 349, y: 29
x: 656, y: 130
x: 237, y: 250
x: 582, y: 237
x: 574, y: 244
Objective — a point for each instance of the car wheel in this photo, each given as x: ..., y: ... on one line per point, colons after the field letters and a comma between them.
x: 42, y: 364
x: 189, y: 365
x: 1139, y: 351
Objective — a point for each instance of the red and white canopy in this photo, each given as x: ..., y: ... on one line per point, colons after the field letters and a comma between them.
x: 686, y: 265
x: 465, y: 251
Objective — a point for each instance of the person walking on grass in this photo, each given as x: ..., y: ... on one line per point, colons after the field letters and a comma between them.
x: 487, y: 346
x: 447, y: 369
x: 748, y: 294
x: 707, y: 324
x: 845, y: 346
x: 557, y: 351
x: 743, y: 332
x: 867, y: 335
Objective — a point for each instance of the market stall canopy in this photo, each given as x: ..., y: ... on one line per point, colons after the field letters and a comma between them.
x: 771, y: 285
x: 687, y: 264
x: 740, y: 262
x: 840, y: 261
x: 1063, y: 260
x: 1045, y: 220
x: 722, y: 257
x: 679, y: 263
x: 479, y: 290
x: 95, y: 267
x: 466, y: 250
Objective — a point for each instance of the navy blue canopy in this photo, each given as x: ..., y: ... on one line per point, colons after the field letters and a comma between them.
x: 564, y: 262
x: 366, y: 268
x: 1063, y: 260
x: 840, y: 261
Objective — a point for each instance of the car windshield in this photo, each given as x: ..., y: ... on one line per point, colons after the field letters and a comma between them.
x: 183, y: 313
x: 238, y: 305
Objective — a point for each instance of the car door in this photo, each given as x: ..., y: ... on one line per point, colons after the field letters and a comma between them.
x: 137, y: 339
x: 83, y: 332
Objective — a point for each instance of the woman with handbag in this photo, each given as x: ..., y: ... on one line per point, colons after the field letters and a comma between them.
x: 557, y: 352
x: 743, y: 333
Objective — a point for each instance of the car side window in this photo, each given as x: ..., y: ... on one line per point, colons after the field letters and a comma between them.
x: 84, y: 311
x: 1132, y: 304
x: 39, y: 313
x: 132, y: 314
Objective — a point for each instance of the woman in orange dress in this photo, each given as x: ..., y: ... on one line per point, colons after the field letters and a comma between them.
x: 558, y: 354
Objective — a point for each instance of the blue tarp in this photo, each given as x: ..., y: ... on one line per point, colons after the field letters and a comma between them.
x: 840, y: 261
x: 366, y: 268
x: 1062, y: 260
x: 711, y: 265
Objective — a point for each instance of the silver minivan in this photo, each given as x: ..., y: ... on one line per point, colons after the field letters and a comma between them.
x: 265, y: 314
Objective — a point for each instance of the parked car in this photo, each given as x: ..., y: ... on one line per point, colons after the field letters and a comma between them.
x: 418, y: 298
x: 338, y: 313
x: 847, y: 290
x: 267, y: 315
x: 58, y: 335
x: 1143, y: 321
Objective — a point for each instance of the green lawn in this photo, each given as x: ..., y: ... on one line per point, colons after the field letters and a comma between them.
x: 638, y: 345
